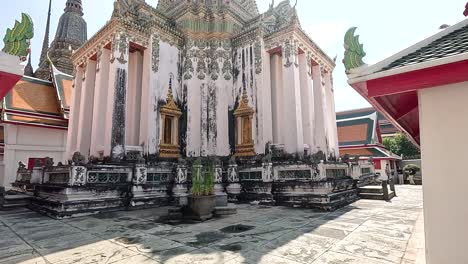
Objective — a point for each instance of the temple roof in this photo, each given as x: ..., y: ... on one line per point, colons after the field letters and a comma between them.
x: 39, y: 103
x: 360, y: 130
x: 386, y: 128
x: 246, y: 9
x: 452, y: 44
x: 376, y: 152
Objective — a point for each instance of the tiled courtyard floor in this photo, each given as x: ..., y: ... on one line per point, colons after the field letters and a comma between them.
x: 366, y: 232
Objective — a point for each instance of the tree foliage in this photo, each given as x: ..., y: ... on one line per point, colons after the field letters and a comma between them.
x: 401, y: 145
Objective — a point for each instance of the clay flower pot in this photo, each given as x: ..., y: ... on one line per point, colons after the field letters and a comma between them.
x: 202, y: 207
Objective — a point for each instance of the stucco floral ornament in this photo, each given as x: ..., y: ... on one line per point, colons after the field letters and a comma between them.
x: 17, y: 39
x: 354, y: 51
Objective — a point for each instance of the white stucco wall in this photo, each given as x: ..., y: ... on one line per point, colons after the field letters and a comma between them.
x: 24, y: 142
x: 444, y: 126
x: 158, y: 88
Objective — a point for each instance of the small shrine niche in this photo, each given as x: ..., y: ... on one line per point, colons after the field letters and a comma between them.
x: 170, y: 114
x: 244, y: 116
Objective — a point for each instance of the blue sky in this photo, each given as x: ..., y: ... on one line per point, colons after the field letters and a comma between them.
x: 386, y: 27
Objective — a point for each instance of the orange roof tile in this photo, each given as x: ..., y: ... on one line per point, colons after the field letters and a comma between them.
x: 67, y: 92
x: 33, y: 96
x: 352, y: 133
x: 356, y: 152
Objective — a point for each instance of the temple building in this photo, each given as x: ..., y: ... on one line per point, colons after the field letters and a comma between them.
x: 360, y: 134
x: 35, y: 111
x: 201, y: 78
x: 423, y: 91
x: 197, y: 86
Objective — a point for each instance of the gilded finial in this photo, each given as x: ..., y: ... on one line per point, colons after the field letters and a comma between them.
x: 170, y: 97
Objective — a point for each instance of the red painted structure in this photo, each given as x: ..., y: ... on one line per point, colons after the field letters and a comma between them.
x: 7, y: 82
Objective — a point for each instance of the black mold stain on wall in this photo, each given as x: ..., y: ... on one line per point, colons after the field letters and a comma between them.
x: 183, y: 123
x: 118, y: 115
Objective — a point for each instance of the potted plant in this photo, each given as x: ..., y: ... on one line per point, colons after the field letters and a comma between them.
x: 202, y: 200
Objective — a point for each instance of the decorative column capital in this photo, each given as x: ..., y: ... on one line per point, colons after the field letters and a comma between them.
x: 120, y: 46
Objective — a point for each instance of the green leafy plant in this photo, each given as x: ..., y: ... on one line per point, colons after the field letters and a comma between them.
x: 202, y: 179
x: 402, y: 146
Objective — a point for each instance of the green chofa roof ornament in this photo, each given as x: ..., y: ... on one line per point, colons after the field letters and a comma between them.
x: 17, y: 39
x: 354, y: 51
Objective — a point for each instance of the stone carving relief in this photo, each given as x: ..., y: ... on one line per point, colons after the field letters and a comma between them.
x: 258, y: 57
x: 98, y: 59
x: 267, y: 172
x: 181, y: 175
x: 214, y: 64
x: 233, y: 176
x: 123, y: 48
x: 295, y: 53
x: 309, y: 63
x: 201, y: 64
x: 218, y: 174
x: 140, y: 175
x: 155, y: 53
x: 227, y: 66
x: 78, y: 175
x: 287, y: 51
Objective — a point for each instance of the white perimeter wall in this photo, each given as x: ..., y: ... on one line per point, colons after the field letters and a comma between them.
x: 24, y: 142
x: 444, y: 127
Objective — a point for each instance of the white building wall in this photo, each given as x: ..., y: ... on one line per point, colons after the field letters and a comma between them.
x: 24, y: 142
x: 307, y: 102
x: 73, y: 124
x: 100, y: 104
x: 209, y: 99
x: 292, y: 114
x: 158, y: 88
x: 118, y: 61
x: 266, y: 99
x: 134, y: 92
x: 331, y: 116
x: 444, y: 126
x: 320, y: 126
x: 276, y: 95
x: 86, y: 109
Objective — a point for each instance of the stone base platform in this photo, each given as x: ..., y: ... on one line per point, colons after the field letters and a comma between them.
x: 325, y: 195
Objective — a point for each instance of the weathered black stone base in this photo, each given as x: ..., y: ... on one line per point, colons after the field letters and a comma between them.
x: 256, y: 191
x: 66, y: 202
x: 324, y: 195
x: 69, y: 209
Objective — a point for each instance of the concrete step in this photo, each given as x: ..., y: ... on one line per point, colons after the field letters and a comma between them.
x: 225, y: 210
x: 13, y: 205
x: 376, y: 196
x: 17, y: 197
x: 371, y: 196
x: 11, y: 201
x: 371, y: 189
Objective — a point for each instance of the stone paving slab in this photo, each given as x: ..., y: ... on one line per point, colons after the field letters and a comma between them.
x: 366, y: 232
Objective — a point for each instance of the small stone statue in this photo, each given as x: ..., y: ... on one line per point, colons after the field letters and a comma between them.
x: 232, y: 160
x: 267, y: 158
x: 78, y: 159
x: 49, y: 162
x: 21, y: 167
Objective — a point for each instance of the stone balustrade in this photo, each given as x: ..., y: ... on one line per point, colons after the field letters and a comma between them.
x: 79, y: 189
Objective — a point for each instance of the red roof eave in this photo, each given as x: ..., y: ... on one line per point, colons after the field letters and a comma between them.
x: 377, y: 90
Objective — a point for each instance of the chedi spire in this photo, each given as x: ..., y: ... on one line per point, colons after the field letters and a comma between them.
x: 70, y: 35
